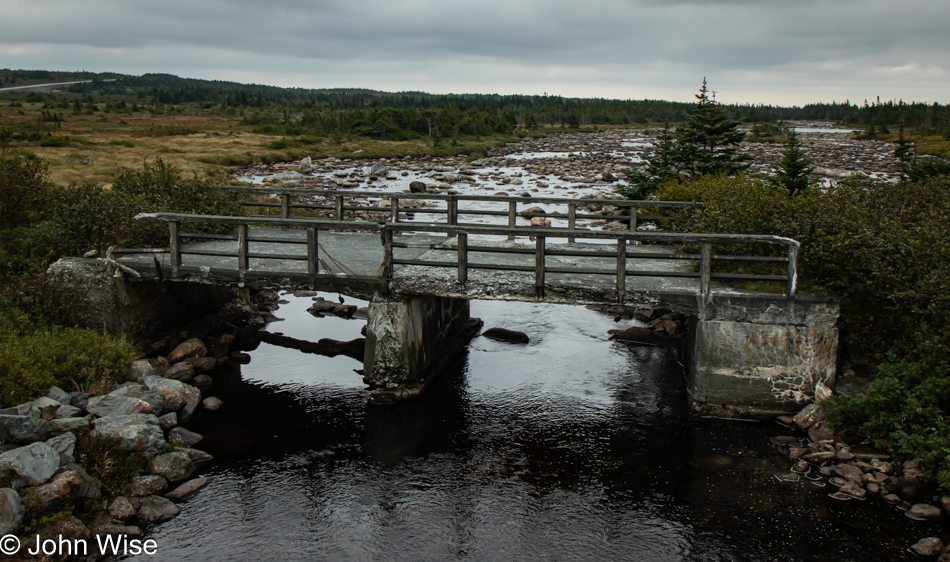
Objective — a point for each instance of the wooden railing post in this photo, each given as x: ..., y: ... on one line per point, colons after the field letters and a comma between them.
x: 452, y: 208
x: 387, y: 255
x: 463, y: 257
x: 792, y: 285
x: 174, y: 246
x: 242, y: 247
x: 539, y: 266
x: 339, y: 210
x: 571, y: 219
x: 285, y: 205
x: 394, y: 209
x: 512, y: 216
x: 621, y: 268
x: 313, y: 261
x: 705, y: 270
x: 633, y: 218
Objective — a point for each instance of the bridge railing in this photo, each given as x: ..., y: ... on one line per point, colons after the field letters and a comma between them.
x: 243, y: 236
x: 509, y: 208
x: 628, y: 247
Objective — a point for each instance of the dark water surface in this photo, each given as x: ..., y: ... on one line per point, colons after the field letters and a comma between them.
x: 570, y: 448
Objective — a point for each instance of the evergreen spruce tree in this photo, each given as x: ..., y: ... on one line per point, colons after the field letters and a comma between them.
x: 795, y: 168
x: 707, y: 143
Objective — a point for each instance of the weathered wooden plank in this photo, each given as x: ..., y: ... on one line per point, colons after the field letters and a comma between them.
x: 621, y: 267
x: 792, y: 276
x: 539, y: 263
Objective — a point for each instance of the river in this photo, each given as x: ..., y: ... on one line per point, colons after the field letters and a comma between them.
x: 571, y: 447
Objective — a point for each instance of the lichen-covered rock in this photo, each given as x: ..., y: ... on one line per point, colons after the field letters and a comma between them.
x: 149, y: 485
x: 121, y: 509
x: 11, y: 510
x: 67, y: 411
x: 64, y: 425
x: 190, y: 348
x: 28, y: 466
x: 61, y: 491
x: 136, y: 433
x: 184, y: 437
x: 807, y: 417
x: 175, y: 466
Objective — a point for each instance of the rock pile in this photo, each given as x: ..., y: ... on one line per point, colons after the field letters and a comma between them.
x: 859, y: 472
x: 48, y: 444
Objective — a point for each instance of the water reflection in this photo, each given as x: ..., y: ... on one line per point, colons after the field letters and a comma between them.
x: 572, y: 447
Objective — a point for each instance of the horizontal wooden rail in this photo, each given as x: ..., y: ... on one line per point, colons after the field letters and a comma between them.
x: 620, y: 255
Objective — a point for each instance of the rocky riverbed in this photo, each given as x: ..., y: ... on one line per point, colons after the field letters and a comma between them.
x: 561, y: 165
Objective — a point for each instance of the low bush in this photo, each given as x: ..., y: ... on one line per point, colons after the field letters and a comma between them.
x: 35, y: 356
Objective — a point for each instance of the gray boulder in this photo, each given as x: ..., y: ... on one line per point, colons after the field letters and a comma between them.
x: 11, y: 510
x: 67, y: 411
x: 149, y: 485
x: 63, y: 444
x: 153, y: 398
x: 28, y: 466
x: 176, y: 393
x: 141, y: 368
x: 168, y: 421
x: 929, y: 547
x: 58, y: 394
x: 188, y: 489
x: 117, y: 404
x: 156, y: 509
x: 175, y: 466
x: 190, y: 348
x: 24, y: 428
x: 181, y: 372
x: 184, y: 437
x: 63, y: 425
x: 192, y: 401
x: 121, y: 509
x: 923, y: 512
x: 65, y: 488
x: 135, y: 433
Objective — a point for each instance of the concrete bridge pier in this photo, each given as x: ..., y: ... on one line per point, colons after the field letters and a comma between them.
x: 757, y: 356
x: 410, y: 340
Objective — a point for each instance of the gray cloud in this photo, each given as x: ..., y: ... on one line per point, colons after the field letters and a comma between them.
x: 766, y: 51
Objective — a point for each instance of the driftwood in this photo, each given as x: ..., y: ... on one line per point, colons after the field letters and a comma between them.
x: 325, y: 346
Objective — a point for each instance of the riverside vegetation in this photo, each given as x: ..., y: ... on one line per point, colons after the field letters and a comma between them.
x: 882, y: 248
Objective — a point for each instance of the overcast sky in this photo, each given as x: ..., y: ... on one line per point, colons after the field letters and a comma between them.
x: 752, y: 51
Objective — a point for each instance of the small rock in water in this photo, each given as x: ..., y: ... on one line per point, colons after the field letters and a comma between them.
x: 923, y: 512
x: 212, y: 403
x: 928, y: 547
x: 801, y: 467
x: 788, y: 477
x: 504, y: 334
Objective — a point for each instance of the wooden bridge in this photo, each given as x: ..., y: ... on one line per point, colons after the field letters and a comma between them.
x: 746, y: 350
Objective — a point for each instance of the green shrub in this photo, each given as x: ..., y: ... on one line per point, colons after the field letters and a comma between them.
x: 35, y: 356
x: 54, y: 141
x: 906, y: 410
x: 122, y: 142
x: 880, y: 247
